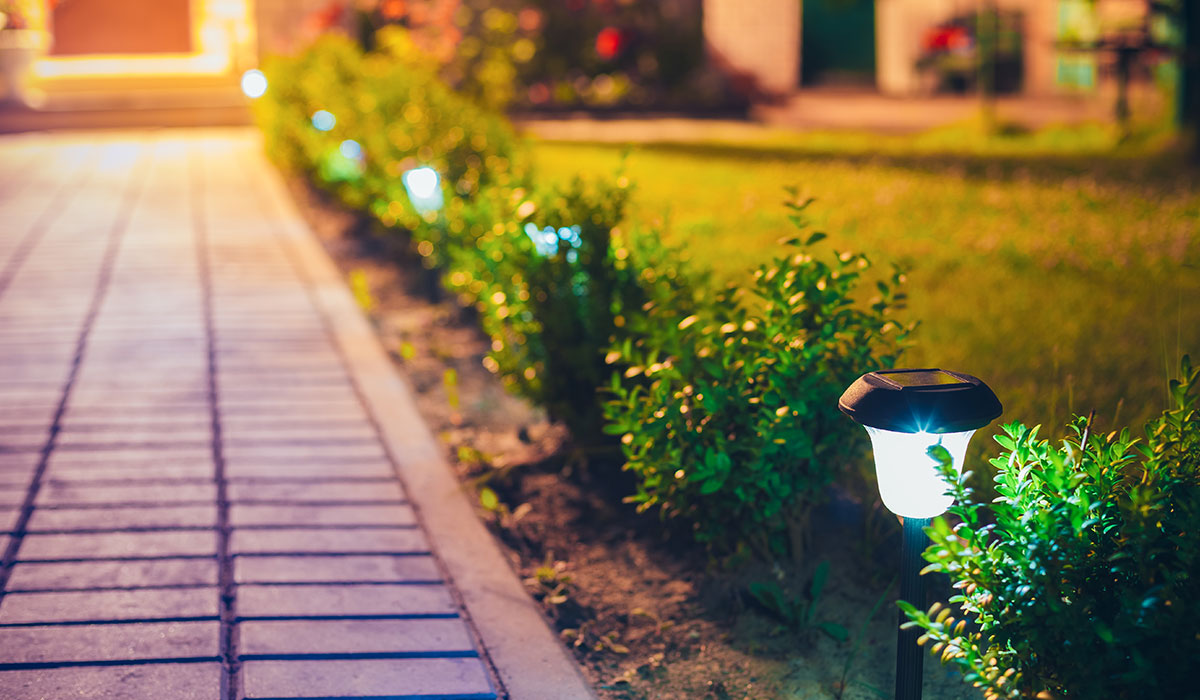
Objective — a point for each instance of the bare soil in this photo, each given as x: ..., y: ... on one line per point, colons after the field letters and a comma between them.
x: 648, y: 616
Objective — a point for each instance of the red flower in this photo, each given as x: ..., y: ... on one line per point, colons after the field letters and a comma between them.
x: 609, y: 43
x: 946, y: 38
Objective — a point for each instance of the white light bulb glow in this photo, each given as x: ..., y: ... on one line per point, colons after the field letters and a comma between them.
x: 421, y: 182
x: 254, y: 83
x: 323, y: 120
x: 909, y: 482
x: 423, y: 187
x: 351, y: 149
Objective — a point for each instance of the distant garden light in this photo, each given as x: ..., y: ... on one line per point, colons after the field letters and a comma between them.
x: 907, y: 412
x: 351, y: 150
x: 546, y: 240
x: 323, y: 120
x: 254, y: 83
x: 423, y: 186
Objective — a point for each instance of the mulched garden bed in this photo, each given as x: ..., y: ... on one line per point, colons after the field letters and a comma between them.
x: 647, y: 615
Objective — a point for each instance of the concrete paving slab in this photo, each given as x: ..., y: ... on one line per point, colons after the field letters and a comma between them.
x: 47, y: 576
x: 314, y: 568
x: 342, y: 600
x: 108, y: 545
x: 259, y: 638
x: 316, y: 491
x: 244, y: 515
x: 124, y: 518
x: 74, y: 606
x: 321, y: 469
x: 192, y: 681
x: 120, y: 642
x: 463, y: 679
x: 64, y: 494
x: 309, y: 541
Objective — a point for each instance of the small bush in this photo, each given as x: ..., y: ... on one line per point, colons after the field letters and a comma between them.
x: 1082, y: 578
x: 728, y: 416
x: 556, y: 282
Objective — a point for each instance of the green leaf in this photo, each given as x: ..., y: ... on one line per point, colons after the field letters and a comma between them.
x: 488, y: 499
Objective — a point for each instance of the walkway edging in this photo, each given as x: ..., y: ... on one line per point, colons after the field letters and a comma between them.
x: 531, y: 662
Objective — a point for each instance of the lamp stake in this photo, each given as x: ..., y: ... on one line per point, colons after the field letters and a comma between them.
x: 909, y: 659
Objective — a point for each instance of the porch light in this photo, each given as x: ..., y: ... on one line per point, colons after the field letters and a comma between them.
x: 906, y: 412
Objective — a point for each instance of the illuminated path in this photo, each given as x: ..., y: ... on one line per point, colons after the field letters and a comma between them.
x: 212, y: 482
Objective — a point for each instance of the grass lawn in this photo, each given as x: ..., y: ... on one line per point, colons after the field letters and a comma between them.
x: 1062, y: 272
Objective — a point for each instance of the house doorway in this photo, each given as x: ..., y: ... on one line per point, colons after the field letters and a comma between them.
x: 82, y: 27
x: 838, y: 43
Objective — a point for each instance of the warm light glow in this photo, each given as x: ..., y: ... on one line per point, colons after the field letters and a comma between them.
x: 254, y: 83
x: 909, y: 481
x: 422, y: 186
x: 323, y: 120
x: 223, y: 35
x: 129, y: 65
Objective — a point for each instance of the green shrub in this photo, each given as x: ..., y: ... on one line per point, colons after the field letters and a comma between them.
x: 556, y: 282
x: 390, y: 103
x: 1083, y: 578
x: 319, y: 75
x: 728, y: 415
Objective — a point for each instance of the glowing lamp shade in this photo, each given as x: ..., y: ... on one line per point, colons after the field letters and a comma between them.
x: 423, y: 188
x: 254, y: 83
x: 909, y: 482
x: 908, y: 411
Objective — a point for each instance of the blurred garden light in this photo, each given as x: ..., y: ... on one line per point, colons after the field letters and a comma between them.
x: 254, y: 83
x: 423, y: 187
x: 546, y: 240
x: 907, y: 412
x: 323, y: 120
x: 351, y: 150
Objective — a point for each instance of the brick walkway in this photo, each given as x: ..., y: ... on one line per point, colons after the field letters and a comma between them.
x: 196, y: 500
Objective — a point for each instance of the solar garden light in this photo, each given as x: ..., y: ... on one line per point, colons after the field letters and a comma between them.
x: 423, y: 187
x: 906, y: 412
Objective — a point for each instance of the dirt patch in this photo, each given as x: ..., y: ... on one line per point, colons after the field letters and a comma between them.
x: 648, y: 617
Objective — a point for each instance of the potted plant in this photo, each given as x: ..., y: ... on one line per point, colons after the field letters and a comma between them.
x: 21, y: 41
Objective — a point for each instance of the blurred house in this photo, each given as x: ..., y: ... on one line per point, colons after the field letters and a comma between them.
x: 179, y: 61
x: 918, y: 47
x: 96, y: 62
